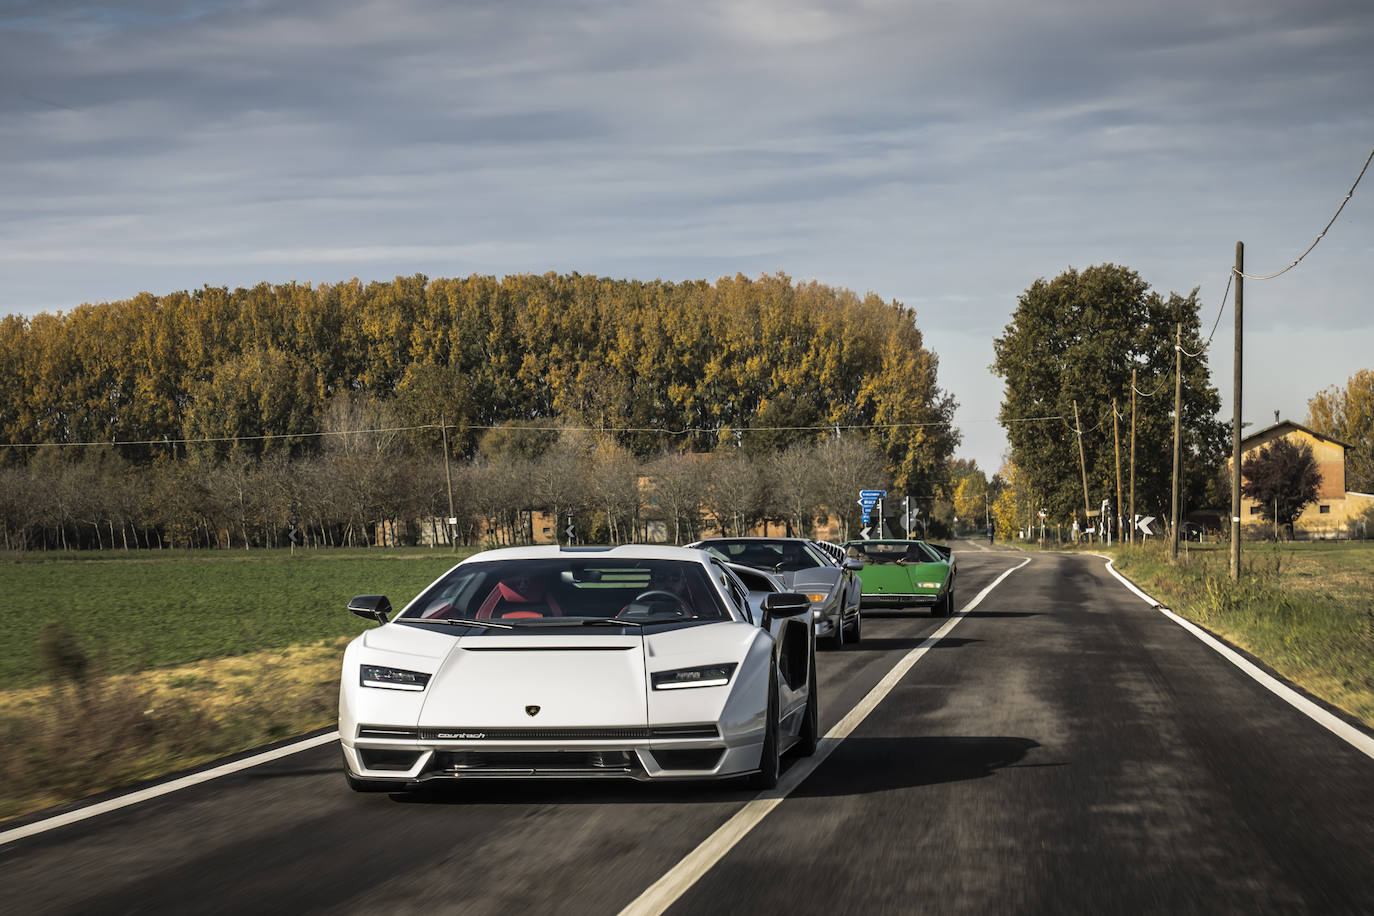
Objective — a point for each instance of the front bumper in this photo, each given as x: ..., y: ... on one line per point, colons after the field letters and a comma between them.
x: 410, y: 756
x: 897, y: 600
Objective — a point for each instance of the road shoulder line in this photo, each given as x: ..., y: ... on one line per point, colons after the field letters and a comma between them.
x: 664, y: 892
x: 1343, y: 730
x: 175, y: 785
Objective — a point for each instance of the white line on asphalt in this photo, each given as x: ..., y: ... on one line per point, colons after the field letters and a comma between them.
x: 184, y: 782
x: 1352, y: 736
x: 666, y: 890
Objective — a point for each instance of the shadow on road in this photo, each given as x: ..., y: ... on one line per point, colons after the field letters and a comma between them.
x: 863, y: 765
x: 1003, y: 614
x: 576, y: 792
x: 907, y: 642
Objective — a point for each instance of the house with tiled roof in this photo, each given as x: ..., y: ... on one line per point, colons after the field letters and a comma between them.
x: 1337, y: 512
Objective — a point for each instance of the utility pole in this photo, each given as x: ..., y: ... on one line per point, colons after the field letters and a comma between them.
x: 1116, y: 447
x: 1235, y: 419
x: 1132, y: 516
x: 1082, y: 462
x: 1178, y: 429
x: 448, y: 476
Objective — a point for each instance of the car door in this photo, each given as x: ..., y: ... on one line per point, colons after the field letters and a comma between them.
x: 791, y: 649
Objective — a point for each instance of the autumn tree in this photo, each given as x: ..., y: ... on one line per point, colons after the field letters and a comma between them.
x: 1348, y: 414
x: 1282, y: 477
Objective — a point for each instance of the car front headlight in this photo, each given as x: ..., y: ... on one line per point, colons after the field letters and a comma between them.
x: 815, y: 597
x: 702, y: 676
x: 927, y: 584
x: 392, y: 678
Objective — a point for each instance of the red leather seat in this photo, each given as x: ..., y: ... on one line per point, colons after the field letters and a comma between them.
x: 505, y: 601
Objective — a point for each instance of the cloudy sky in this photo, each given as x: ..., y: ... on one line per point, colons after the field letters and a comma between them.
x: 943, y: 154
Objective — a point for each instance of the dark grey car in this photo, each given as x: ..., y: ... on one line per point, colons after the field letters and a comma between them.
x: 834, y: 588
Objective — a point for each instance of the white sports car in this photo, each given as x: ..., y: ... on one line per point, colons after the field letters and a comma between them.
x: 637, y: 662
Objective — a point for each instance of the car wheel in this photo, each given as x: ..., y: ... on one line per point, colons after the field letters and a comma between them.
x: 367, y: 785
x: 949, y: 602
x: 836, y: 639
x: 856, y: 634
x: 770, y: 764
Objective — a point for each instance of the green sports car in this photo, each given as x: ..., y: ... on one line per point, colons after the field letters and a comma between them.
x: 900, y: 574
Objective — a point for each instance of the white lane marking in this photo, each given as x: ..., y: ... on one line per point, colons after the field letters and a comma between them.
x: 184, y: 782
x: 1343, y: 730
x: 666, y: 890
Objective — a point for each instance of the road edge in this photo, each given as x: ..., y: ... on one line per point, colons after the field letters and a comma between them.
x: 1347, y: 732
x: 174, y: 784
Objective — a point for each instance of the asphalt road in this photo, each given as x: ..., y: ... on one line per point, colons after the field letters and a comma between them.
x: 1065, y: 749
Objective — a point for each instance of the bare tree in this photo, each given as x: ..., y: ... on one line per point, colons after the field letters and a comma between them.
x: 735, y: 492
x: 794, y: 497
x: 845, y: 466
x: 678, y: 485
x: 614, y: 490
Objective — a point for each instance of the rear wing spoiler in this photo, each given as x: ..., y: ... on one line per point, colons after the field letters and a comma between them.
x: 942, y: 550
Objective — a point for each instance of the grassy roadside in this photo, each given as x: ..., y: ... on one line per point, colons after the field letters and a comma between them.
x: 1304, y: 609
x: 74, y: 739
x: 121, y: 668
x: 132, y: 612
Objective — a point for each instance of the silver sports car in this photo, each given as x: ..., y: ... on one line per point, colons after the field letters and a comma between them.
x: 833, y: 586
x: 637, y: 662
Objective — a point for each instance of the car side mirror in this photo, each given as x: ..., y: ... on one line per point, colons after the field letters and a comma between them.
x: 373, y: 607
x: 784, y: 604
x: 852, y: 563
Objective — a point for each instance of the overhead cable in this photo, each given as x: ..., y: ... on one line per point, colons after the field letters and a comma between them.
x: 1348, y: 195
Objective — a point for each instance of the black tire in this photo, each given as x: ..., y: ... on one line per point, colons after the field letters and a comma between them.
x: 367, y: 785
x: 836, y: 639
x: 770, y: 761
x: 949, y: 602
x: 856, y: 632
x: 810, y: 735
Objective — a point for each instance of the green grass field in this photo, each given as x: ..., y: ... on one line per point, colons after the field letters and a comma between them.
x: 138, y: 611
x: 1306, y: 609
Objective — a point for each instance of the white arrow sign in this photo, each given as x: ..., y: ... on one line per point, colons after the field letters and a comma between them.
x: 868, y: 529
x: 1144, y: 523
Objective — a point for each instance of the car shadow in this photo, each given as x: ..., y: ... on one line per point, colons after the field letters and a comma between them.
x: 576, y: 792
x: 881, y: 644
x: 1003, y: 614
x: 858, y: 766
x: 898, y: 614
x: 863, y: 765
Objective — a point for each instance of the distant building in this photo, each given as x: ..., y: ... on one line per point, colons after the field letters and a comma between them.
x: 1337, y: 512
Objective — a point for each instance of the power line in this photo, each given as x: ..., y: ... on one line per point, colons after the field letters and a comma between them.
x: 685, y: 431
x: 1230, y: 276
x: 1320, y: 235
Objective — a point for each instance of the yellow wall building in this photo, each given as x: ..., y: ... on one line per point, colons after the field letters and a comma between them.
x: 1337, y: 512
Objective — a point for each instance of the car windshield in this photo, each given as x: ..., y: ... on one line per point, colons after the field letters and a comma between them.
x: 894, y: 551
x: 779, y: 555
x: 575, y: 590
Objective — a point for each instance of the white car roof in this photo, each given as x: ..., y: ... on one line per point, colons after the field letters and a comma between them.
x: 622, y: 552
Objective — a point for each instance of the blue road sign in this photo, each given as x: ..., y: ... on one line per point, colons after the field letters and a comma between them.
x: 872, y: 494
x: 867, y: 518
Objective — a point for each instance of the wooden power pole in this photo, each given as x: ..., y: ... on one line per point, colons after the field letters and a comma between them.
x: 1235, y: 419
x: 1082, y: 462
x: 1116, y: 447
x: 448, y: 477
x: 1178, y: 429
x: 1132, y: 515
